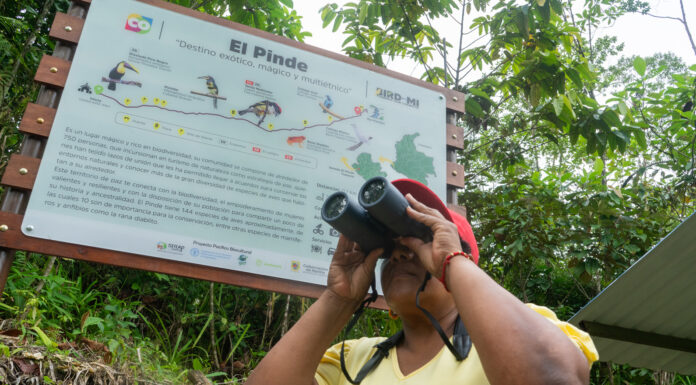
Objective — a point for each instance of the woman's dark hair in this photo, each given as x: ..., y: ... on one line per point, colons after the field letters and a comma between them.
x: 465, y: 246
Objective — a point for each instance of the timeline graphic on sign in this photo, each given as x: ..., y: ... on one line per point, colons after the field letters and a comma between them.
x: 182, y: 139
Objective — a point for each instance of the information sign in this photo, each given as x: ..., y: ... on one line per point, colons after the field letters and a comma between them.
x: 181, y: 139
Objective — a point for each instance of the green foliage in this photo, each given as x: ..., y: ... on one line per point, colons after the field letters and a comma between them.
x: 381, y: 29
x: 274, y: 16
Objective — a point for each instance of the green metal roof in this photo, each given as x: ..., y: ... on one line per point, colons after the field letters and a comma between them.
x: 647, y: 317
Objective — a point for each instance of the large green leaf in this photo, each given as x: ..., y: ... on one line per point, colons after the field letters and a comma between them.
x: 473, y: 107
x: 639, y: 65
x: 558, y: 105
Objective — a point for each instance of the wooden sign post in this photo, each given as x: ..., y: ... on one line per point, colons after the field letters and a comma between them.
x: 163, y: 153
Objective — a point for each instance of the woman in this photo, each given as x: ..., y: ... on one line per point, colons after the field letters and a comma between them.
x: 513, y: 342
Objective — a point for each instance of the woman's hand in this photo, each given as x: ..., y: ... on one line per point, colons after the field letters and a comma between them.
x: 351, y: 272
x: 445, y: 236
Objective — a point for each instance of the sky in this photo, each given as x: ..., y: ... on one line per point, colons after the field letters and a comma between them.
x: 642, y: 35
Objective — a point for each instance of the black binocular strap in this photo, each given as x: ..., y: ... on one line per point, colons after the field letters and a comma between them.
x: 349, y: 327
x: 460, y: 346
x: 461, y: 342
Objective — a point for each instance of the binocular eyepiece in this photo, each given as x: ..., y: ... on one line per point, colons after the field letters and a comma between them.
x: 379, y: 217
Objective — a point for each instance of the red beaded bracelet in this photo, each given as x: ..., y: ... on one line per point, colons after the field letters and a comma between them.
x: 448, y: 259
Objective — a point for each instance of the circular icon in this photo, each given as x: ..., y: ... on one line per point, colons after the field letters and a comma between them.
x: 270, y: 126
x: 305, y: 122
x: 98, y: 89
x: 330, y: 118
x: 126, y: 101
x: 233, y: 112
x: 156, y: 100
x: 126, y: 118
x: 181, y: 131
x: 143, y: 99
x: 194, y: 252
x: 156, y: 125
x: 163, y: 103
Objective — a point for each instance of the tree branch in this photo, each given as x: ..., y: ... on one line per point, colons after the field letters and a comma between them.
x: 415, y: 41
x: 664, y: 17
x: 459, y: 51
x: 686, y: 26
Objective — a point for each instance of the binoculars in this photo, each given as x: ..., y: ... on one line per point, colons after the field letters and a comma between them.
x: 379, y: 217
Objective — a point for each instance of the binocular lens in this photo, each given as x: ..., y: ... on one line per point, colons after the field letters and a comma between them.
x: 335, y: 206
x: 372, y: 191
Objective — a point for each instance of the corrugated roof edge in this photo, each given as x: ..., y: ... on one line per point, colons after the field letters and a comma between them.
x: 578, y: 317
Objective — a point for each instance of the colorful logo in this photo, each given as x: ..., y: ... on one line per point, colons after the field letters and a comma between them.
x: 161, y: 246
x: 138, y: 24
x: 242, y: 259
x: 295, y: 265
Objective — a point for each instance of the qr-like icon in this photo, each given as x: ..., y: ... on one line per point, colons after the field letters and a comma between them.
x: 316, y: 249
x: 333, y: 232
x: 330, y: 251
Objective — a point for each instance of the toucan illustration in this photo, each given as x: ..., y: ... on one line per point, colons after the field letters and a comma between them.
x: 212, y: 87
x: 117, y: 73
x: 262, y: 109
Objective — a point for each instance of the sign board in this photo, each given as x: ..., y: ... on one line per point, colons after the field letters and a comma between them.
x: 181, y: 139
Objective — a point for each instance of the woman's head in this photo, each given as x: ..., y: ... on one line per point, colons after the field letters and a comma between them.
x: 426, y: 196
x: 403, y: 273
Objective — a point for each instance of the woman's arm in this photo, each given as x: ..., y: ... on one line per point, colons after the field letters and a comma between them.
x: 295, y: 358
x: 516, y: 345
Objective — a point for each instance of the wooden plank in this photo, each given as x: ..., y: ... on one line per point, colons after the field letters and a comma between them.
x: 455, y: 136
x: 21, y: 172
x: 52, y: 71
x: 14, y: 238
x: 454, y: 99
x: 455, y: 174
x: 37, y: 120
x: 461, y: 210
x: 15, y: 200
x: 66, y: 28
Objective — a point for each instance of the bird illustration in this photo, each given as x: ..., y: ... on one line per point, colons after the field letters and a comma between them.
x: 262, y: 109
x: 361, y: 138
x: 212, y: 87
x: 117, y: 73
x: 328, y: 102
x: 375, y: 112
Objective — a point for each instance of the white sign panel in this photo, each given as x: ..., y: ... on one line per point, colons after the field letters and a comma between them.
x: 181, y: 139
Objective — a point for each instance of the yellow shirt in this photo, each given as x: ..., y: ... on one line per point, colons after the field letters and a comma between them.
x: 443, y: 369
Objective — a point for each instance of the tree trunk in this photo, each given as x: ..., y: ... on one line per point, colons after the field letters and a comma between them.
x: 286, y: 316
